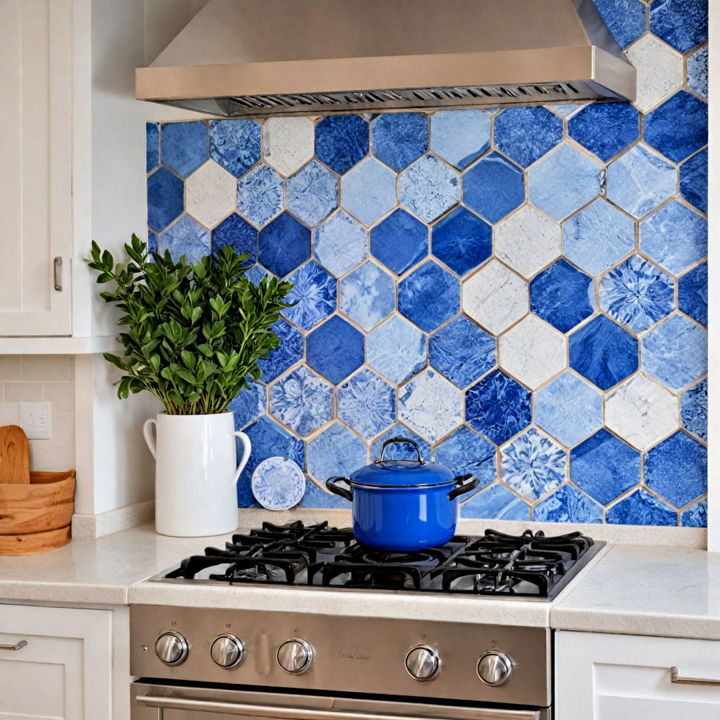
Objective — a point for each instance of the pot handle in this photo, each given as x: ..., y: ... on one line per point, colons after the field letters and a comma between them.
x: 333, y: 486
x: 401, y: 441
x: 463, y: 484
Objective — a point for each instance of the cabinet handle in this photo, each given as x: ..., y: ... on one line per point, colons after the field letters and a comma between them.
x: 57, y: 273
x: 19, y: 645
x: 675, y: 677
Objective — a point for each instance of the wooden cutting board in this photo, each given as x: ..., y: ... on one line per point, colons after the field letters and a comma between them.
x: 14, y: 455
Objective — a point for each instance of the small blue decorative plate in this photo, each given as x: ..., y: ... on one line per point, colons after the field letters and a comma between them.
x: 278, y: 483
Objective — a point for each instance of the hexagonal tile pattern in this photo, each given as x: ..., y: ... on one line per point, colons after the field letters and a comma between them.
x: 312, y: 193
x: 693, y: 412
x: 569, y: 409
x: 260, y: 195
x: 302, y: 401
x: 430, y: 405
x: 640, y: 180
x: 429, y: 296
x: 598, y: 236
x: 467, y: 452
x: 695, y: 516
x: 693, y: 180
x: 603, y: 352
x: 674, y: 140
x: 210, y: 194
x: 428, y: 188
x: 184, y: 146
x: 185, y: 239
x: 624, y: 18
x: 693, y: 293
x: 288, y: 143
x: 285, y: 355
x: 460, y: 136
x: 495, y: 297
x: 677, y: 457
x: 249, y: 404
x: 368, y: 191
x: 688, y: 231
x: 462, y: 241
x: 493, y: 187
x: 641, y: 412
x: 641, y: 508
x: 335, y: 451
x: 498, y: 407
x: 316, y: 496
x: 314, y: 294
x: 532, y: 352
x: 659, y: 71
x: 399, y: 241
x: 605, y: 128
x: 527, y: 241
x: 367, y: 295
x: 697, y: 71
x: 335, y: 349
x: 164, y: 198
x: 567, y: 504
x: 396, y: 349
x: 237, y: 233
x: 340, y: 243
x: 563, y: 181
x: 461, y: 351
x: 526, y: 134
x: 284, y: 245
x: 675, y: 352
x: 341, y: 141
x: 366, y: 403
x: 637, y: 294
x: 235, y: 144
x: 399, y: 451
x: 496, y: 502
x: 604, y: 467
x: 681, y: 23
x: 562, y: 295
x: 399, y: 138
x: 533, y: 464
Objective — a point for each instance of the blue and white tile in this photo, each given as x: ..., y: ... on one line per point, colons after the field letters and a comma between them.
x: 641, y: 412
x: 567, y: 504
x: 494, y: 187
x: 317, y: 497
x: 399, y: 241
x: 184, y: 146
x: 400, y: 451
x: 640, y: 180
x: 238, y: 234
x: 462, y: 241
x: 152, y: 146
x: 659, y: 71
x: 563, y: 181
x: 675, y: 352
x: 605, y: 128
x: 185, y: 239
x: 693, y: 293
x: 249, y: 404
x: 284, y: 245
x: 256, y: 274
x: 366, y: 403
x: 598, y: 236
x: 678, y: 140
x: 526, y: 134
x: 637, y: 294
x: 697, y: 71
x: 693, y: 180
x: 694, y: 410
x: 495, y: 297
x: 288, y: 143
x: 430, y: 405
x: 460, y: 136
x: 397, y: 350
x: 676, y: 469
x: 604, y: 467
x: 260, y: 195
x: 367, y: 295
x: 695, y: 515
x: 335, y: 349
x: 340, y: 243
x: 368, y: 191
x: 569, y: 409
x: 675, y: 237
x: 562, y: 295
x: 314, y: 294
x: 290, y: 351
x: 533, y: 464
x: 399, y: 138
x: 467, y: 452
x: 428, y: 188
x: 497, y: 503
x: 462, y: 351
x: 681, y: 23
x: 312, y: 193
x: 564, y: 110
x: 498, y: 407
x: 335, y: 451
x: 625, y: 19
x: 165, y: 198
x: 603, y: 352
x: 302, y: 401
x: 429, y: 296
x: 641, y: 508
x: 210, y: 194
x: 341, y: 141
x: 235, y: 144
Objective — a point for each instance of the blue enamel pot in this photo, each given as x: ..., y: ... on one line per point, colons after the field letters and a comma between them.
x: 403, y: 504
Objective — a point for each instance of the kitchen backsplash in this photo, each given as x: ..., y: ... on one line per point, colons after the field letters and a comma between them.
x: 522, y: 291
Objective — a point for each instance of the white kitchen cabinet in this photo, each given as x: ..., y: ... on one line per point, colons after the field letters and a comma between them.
x: 64, y: 672
x: 628, y: 677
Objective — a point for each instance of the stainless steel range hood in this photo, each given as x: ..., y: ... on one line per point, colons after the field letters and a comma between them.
x: 261, y: 57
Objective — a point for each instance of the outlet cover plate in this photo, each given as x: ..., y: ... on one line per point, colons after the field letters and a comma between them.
x: 35, y: 420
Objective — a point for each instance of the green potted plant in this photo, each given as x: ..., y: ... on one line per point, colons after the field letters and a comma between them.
x: 192, y: 335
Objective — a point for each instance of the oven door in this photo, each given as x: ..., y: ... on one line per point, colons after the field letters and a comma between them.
x: 186, y: 702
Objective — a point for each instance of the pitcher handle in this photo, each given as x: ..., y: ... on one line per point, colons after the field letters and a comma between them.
x: 150, y: 433
x: 247, y: 447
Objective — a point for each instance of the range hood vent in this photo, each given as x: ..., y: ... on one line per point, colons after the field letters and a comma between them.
x: 264, y: 57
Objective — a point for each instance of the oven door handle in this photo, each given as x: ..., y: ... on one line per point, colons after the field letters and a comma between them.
x: 298, y: 713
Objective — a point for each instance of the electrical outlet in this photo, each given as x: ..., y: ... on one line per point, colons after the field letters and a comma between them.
x: 35, y: 420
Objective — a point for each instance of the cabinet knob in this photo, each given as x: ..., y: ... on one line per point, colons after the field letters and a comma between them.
x: 57, y: 273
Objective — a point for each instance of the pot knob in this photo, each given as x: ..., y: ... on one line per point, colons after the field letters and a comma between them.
x: 295, y: 656
x: 227, y: 651
x: 494, y: 668
x: 422, y: 663
x: 171, y: 648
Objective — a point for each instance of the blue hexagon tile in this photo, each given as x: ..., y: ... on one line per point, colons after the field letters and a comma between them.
x: 235, y: 144
x: 260, y: 195
x: 429, y: 296
x: 526, y: 134
x: 562, y: 295
x: 284, y: 244
x: 465, y: 451
x: 605, y: 128
x: 368, y: 295
x: 460, y: 136
x: 314, y: 296
x: 340, y: 244
x: 680, y: 23
x: 625, y: 19
x: 493, y: 187
x: 302, y: 401
x: 187, y: 239
x: 335, y: 349
x: 237, y: 233
x: 533, y: 465
x: 641, y: 508
x: 428, y: 188
x: 677, y: 457
x: 462, y: 241
x: 397, y: 349
x: 366, y: 403
x: 568, y: 504
x: 399, y: 241
x: 400, y: 138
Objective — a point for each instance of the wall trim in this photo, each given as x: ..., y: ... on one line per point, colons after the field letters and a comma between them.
x: 86, y: 525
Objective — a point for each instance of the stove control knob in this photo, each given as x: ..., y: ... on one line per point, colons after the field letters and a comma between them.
x: 494, y: 668
x: 227, y: 651
x: 295, y: 656
x: 422, y: 663
x: 171, y: 648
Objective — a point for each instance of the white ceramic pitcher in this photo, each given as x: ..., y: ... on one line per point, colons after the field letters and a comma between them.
x: 196, y: 473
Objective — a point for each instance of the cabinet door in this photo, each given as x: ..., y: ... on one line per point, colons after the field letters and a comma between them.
x: 36, y: 87
x: 64, y: 670
x: 623, y: 677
